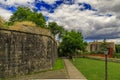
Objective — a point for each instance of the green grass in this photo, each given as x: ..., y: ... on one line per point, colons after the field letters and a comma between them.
x: 95, y: 69
x: 2, y: 79
x: 59, y: 64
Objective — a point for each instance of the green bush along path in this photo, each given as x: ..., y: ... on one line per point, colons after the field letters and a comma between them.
x: 95, y: 69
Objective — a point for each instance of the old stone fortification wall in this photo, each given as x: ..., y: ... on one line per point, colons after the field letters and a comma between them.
x: 23, y: 52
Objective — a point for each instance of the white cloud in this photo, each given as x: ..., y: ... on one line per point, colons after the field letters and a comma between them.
x: 104, y: 6
x: 50, y: 1
x: 117, y: 41
x: 14, y: 2
x: 5, y: 14
x: 92, y: 26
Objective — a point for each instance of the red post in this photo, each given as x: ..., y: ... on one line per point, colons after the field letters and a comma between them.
x: 110, y: 52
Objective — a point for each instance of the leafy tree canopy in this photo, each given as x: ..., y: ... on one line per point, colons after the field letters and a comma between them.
x: 72, y: 41
x: 25, y: 14
x: 104, y: 45
x: 56, y: 29
x: 117, y: 47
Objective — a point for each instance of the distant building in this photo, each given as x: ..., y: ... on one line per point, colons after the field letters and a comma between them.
x: 96, y: 46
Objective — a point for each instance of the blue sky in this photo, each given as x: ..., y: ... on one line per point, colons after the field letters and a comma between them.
x: 95, y: 19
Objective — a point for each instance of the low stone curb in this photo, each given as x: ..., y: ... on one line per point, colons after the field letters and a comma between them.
x: 102, y: 58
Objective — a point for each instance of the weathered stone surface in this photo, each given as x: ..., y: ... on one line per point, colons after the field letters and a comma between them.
x: 23, y: 53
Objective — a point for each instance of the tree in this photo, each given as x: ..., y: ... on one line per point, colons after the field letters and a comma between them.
x: 71, y: 42
x: 25, y: 14
x: 37, y: 18
x: 56, y: 29
x: 117, y: 47
x: 104, y: 45
x: 20, y: 15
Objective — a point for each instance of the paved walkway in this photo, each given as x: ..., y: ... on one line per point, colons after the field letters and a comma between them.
x: 73, y: 71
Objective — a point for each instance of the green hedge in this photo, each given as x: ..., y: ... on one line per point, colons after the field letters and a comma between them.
x: 116, y: 55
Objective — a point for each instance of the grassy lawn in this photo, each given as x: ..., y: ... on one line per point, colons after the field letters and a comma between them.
x: 95, y: 69
x: 59, y: 64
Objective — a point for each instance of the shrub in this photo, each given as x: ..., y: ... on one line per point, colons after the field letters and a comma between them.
x: 86, y: 52
x: 93, y: 52
x: 116, y: 55
x: 100, y: 52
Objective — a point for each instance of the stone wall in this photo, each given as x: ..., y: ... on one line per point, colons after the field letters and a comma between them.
x: 23, y: 53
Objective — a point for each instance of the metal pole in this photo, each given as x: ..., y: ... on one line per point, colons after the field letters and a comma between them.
x: 106, y: 71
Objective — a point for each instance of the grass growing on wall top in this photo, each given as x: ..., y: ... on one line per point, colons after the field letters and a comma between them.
x: 2, y: 23
x: 28, y: 23
x: 95, y: 69
x: 28, y: 26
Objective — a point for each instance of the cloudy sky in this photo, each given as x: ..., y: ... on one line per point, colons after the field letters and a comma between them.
x: 95, y: 19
